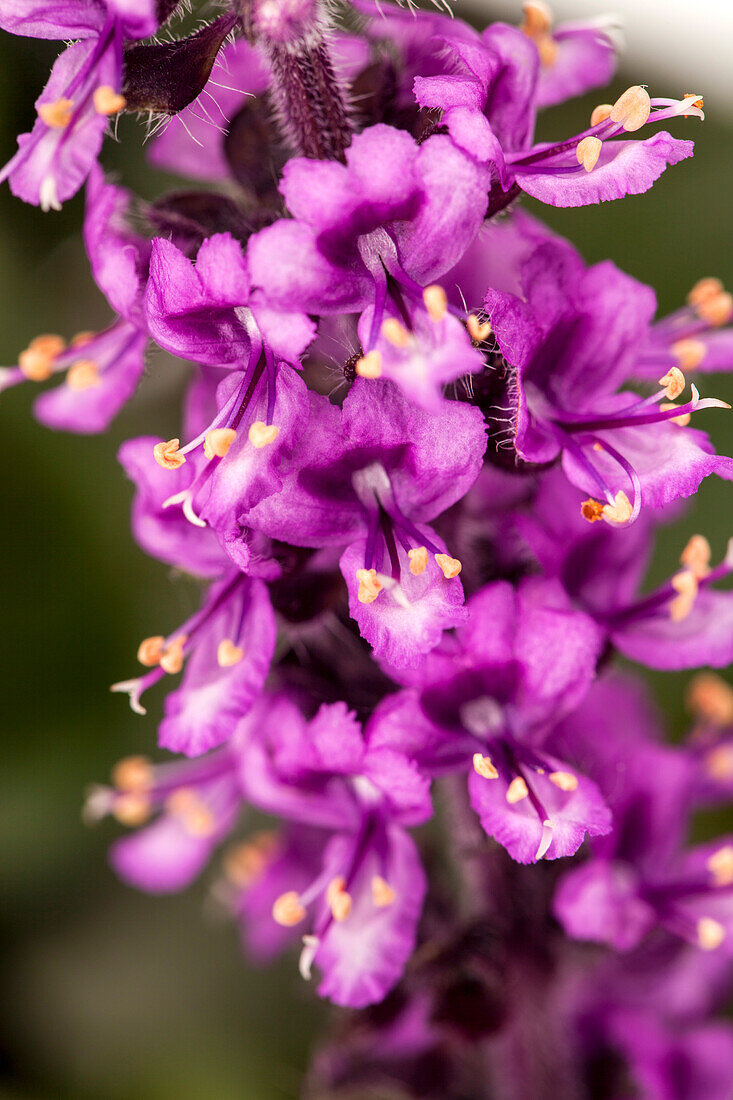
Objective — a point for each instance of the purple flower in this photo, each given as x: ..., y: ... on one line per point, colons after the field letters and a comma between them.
x: 372, y: 475
x: 484, y: 700
x: 82, y: 92
x: 566, y: 348
x: 365, y: 900
x: 489, y: 108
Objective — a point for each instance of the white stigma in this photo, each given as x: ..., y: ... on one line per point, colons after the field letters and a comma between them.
x: 132, y: 689
x: 48, y: 196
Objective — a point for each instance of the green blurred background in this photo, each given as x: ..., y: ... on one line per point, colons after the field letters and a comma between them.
x: 107, y: 994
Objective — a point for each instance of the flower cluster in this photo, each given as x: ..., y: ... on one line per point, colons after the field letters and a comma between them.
x: 423, y: 455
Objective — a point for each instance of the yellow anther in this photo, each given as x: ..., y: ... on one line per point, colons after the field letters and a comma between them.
x: 133, y: 773
x: 682, y: 420
x: 244, y: 863
x: 81, y: 339
x: 338, y: 899
x: 150, y: 650
x: 107, y: 101
x: 719, y: 763
x: 484, y: 767
x: 167, y: 454
x: 382, y: 893
x: 696, y: 556
x: 710, y: 933
x: 132, y: 808
x: 37, y: 359
x: 83, y: 375
x: 218, y: 441
x: 716, y: 310
x: 449, y: 567
x: 477, y: 330
x: 673, y: 382
x: 689, y: 353
x: 261, y: 434
x: 171, y: 660
x: 57, y: 115
x: 685, y: 584
x: 517, y: 790
x: 193, y: 813
x: 395, y: 333
x: 704, y: 289
x: 537, y: 17
x: 566, y: 781
x: 720, y: 866
x: 228, y: 654
x: 537, y: 25
x: 370, y: 365
x: 620, y: 511
x: 436, y: 302
x: 592, y: 510
x: 601, y: 113
x: 632, y: 109
x: 288, y: 910
x: 369, y: 585
x: 418, y: 560
x: 710, y: 698
x: 587, y: 151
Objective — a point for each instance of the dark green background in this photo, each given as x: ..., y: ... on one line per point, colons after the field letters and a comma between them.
x: 109, y: 995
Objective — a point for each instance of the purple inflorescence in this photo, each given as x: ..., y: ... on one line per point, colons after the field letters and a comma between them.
x: 419, y: 492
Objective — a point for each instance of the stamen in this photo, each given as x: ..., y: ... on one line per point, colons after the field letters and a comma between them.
x: 418, y: 560
x: 710, y: 698
x: 517, y: 790
x: 228, y: 654
x: 244, y: 863
x: 632, y: 109
x: 588, y: 150
x: 710, y: 933
x: 192, y: 811
x: 720, y: 866
x: 133, y: 773
x: 478, y: 330
x: 132, y: 809
x: 484, y: 766
x: 83, y: 375
x: 689, y: 353
x: 696, y: 556
x: 81, y: 339
x: 369, y: 585
x: 37, y: 359
x: 719, y: 763
x: 396, y: 333
x: 167, y: 454
x: 685, y: 583
x: 307, y: 955
x: 287, y: 909
x: 601, y: 113
x: 716, y: 310
x: 218, y: 441
x: 682, y: 420
x: 261, y: 434
x: 338, y: 899
x: 704, y: 290
x: 548, y: 831
x: 107, y: 101
x: 370, y: 365
x: 172, y: 658
x: 436, y: 302
x: 450, y: 567
x: 537, y: 17
x: 382, y: 893
x: 674, y: 382
x: 591, y: 510
x: 57, y: 115
x: 566, y: 781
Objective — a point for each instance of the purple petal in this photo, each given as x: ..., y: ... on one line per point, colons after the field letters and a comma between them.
x: 600, y: 901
